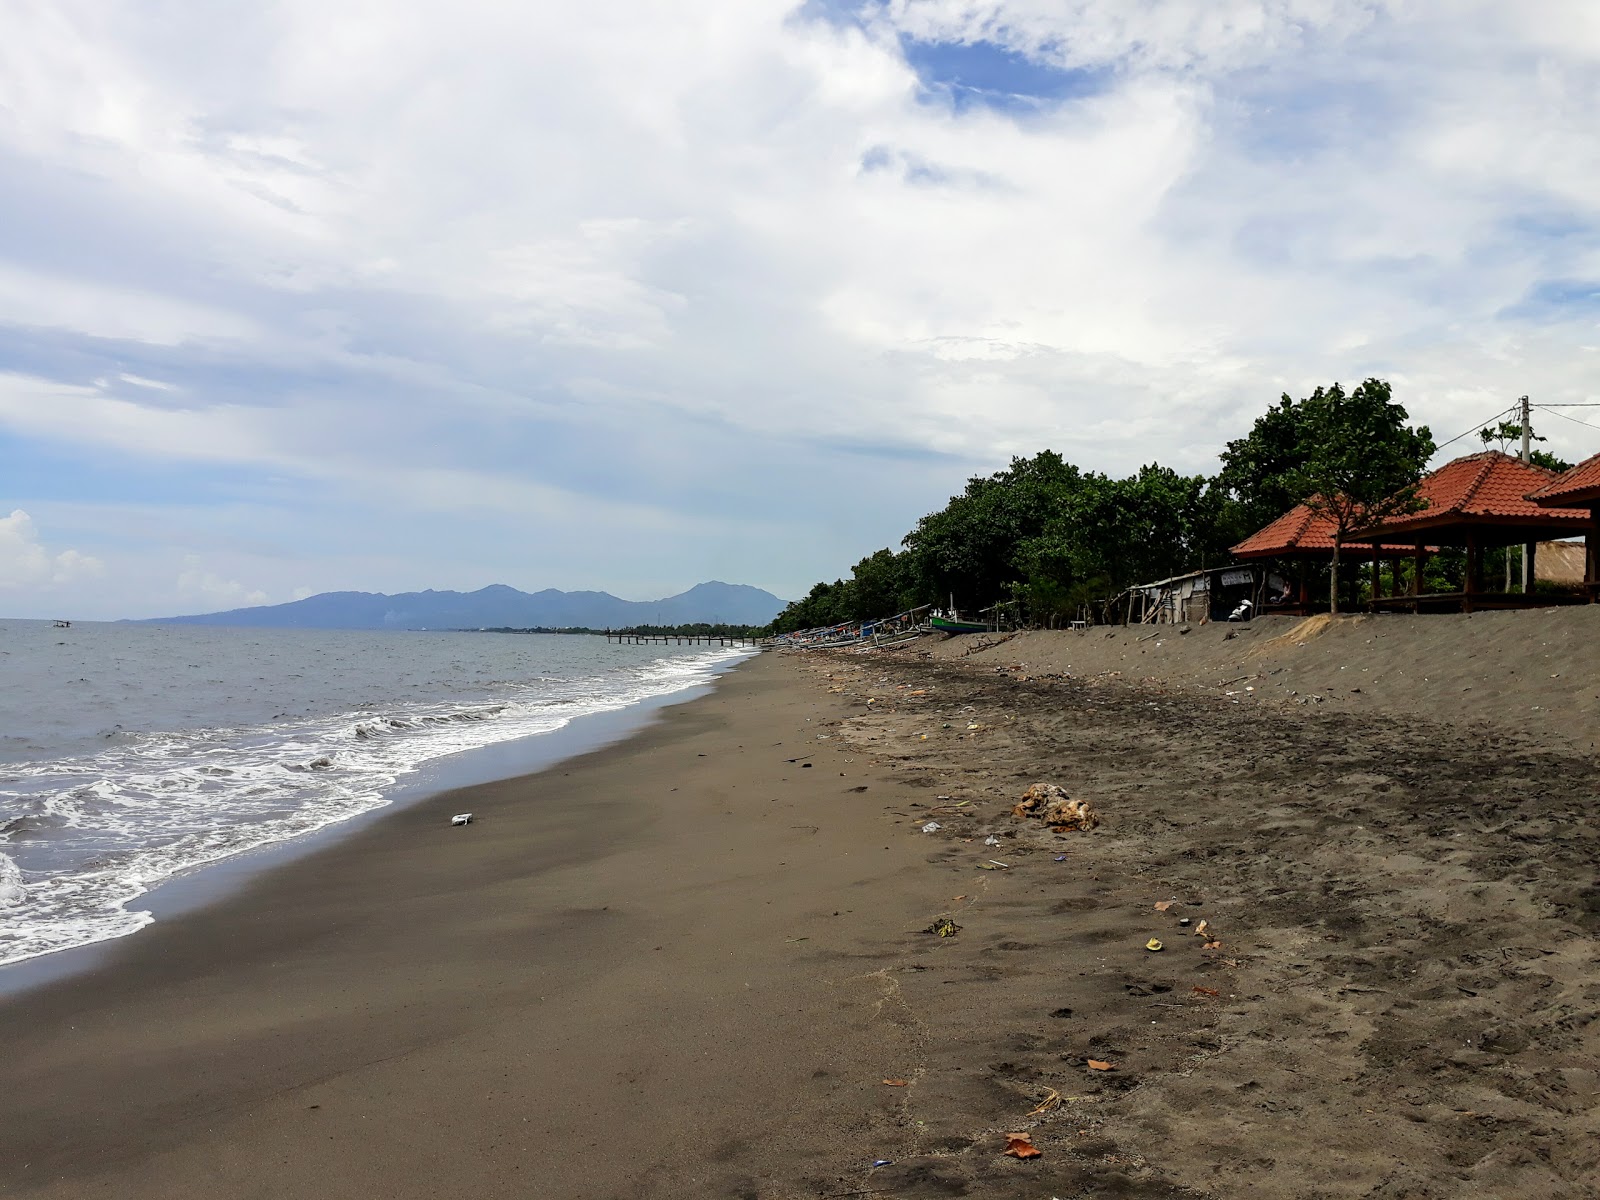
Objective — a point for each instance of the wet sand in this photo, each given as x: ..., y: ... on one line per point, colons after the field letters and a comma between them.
x: 607, y: 985
x: 686, y: 966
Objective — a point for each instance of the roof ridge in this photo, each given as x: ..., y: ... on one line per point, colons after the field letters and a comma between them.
x: 1491, y: 458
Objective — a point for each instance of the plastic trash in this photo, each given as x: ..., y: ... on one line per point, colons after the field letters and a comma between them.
x: 991, y: 840
x: 461, y: 819
x: 1154, y: 944
x: 932, y: 827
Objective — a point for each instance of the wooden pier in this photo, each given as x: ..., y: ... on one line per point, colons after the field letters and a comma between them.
x: 682, y: 639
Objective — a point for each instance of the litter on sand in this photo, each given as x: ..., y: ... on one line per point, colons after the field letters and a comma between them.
x: 1096, y: 1065
x: 1154, y: 944
x: 461, y: 819
x: 1053, y: 1100
x: 1051, y: 804
x: 1020, y: 1145
x: 896, y: 1083
x: 991, y: 840
x: 943, y: 927
x: 932, y: 827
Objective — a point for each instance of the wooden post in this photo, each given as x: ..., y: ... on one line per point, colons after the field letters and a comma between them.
x: 1591, y: 553
x: 1377, y: 582
x: 1469, y: 586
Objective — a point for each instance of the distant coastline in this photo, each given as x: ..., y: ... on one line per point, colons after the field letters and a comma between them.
x: 501, y: 607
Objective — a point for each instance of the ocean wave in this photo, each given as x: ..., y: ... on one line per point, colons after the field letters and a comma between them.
x: 92, y: 834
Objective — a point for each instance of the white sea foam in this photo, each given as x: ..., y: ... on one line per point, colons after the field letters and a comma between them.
x: 87, y: 836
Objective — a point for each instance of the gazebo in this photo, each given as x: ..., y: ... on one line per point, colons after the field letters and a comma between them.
x: 1578, y: 487
x: 1477, y: 502
x: 1305, y: 537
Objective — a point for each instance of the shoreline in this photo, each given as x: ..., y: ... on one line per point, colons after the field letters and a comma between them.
x: 207, y: 883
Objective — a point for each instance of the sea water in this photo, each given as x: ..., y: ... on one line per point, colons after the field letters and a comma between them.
x: 130, y: 753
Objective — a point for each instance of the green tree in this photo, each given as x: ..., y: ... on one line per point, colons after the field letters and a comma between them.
x: 1509, y: 433
x: 1258, y: 470
x: 882, y: 585
x: 972, y: 548
x: 1361, y: 461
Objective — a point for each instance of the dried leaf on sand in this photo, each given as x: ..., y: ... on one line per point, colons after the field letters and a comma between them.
x: 1020, y: 1145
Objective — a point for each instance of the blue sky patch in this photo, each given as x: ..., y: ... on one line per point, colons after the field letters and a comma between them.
x: 1557, y: 299
x: 983, y: 74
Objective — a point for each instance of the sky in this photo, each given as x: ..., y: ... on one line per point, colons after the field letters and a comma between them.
x: 307, y: 296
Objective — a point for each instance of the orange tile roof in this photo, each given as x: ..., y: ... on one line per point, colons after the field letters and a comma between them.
x: 1579, y: 485
x: 1298, y: 531
x: 1488, y: 488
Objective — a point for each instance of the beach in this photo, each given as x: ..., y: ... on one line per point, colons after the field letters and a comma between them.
x: 697, y: 963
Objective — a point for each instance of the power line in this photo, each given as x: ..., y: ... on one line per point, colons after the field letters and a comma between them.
x: 1564, y: 416
x: 1480, y: 425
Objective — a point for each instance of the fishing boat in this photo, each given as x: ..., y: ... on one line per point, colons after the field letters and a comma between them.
x: 947, y: 625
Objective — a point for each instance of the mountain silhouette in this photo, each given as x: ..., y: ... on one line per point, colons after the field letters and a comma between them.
x: 499, y: 605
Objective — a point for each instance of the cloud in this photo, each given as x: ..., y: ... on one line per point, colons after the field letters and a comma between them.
x: 26, y: 563
x: 620, y: 296
x: 196, y: 583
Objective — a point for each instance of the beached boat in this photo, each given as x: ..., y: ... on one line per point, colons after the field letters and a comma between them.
x: 946, y: 625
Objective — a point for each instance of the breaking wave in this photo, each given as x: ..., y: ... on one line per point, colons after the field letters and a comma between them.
x: 82, y: 838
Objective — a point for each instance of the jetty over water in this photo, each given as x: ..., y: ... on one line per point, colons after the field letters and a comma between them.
x: 623, y: 636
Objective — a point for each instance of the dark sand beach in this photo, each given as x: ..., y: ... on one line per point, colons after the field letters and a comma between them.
x: 686, y: 965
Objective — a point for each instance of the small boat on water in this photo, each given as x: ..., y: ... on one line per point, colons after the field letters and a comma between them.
x: 62, y: 625
x: 947, y: 625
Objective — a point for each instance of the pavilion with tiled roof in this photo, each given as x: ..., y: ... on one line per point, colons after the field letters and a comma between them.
x: 1479, y: 501
x: 1305, y: 536
x: 1578, y: 487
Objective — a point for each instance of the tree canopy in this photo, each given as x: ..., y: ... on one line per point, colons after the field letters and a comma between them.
x: 1050, y: 537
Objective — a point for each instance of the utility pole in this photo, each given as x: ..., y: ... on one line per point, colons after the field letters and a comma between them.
x: 1528, y: 548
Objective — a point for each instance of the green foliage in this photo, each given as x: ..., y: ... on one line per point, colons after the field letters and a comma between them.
x: 1362, y: 462
x: 1258, y: 469
x: 1550, y: 462
x: 1052, y: 538
x: 974, y: 547
x: 1509, y: 435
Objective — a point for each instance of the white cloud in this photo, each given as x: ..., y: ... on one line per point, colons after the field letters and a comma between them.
x: 26, y: 563
x: 199, y: 584
x: 480, y: 261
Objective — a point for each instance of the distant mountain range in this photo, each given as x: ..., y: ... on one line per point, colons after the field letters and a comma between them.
x: 499, y: 605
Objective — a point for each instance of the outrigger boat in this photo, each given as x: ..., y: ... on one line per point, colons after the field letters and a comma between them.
x: 946, y: 625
